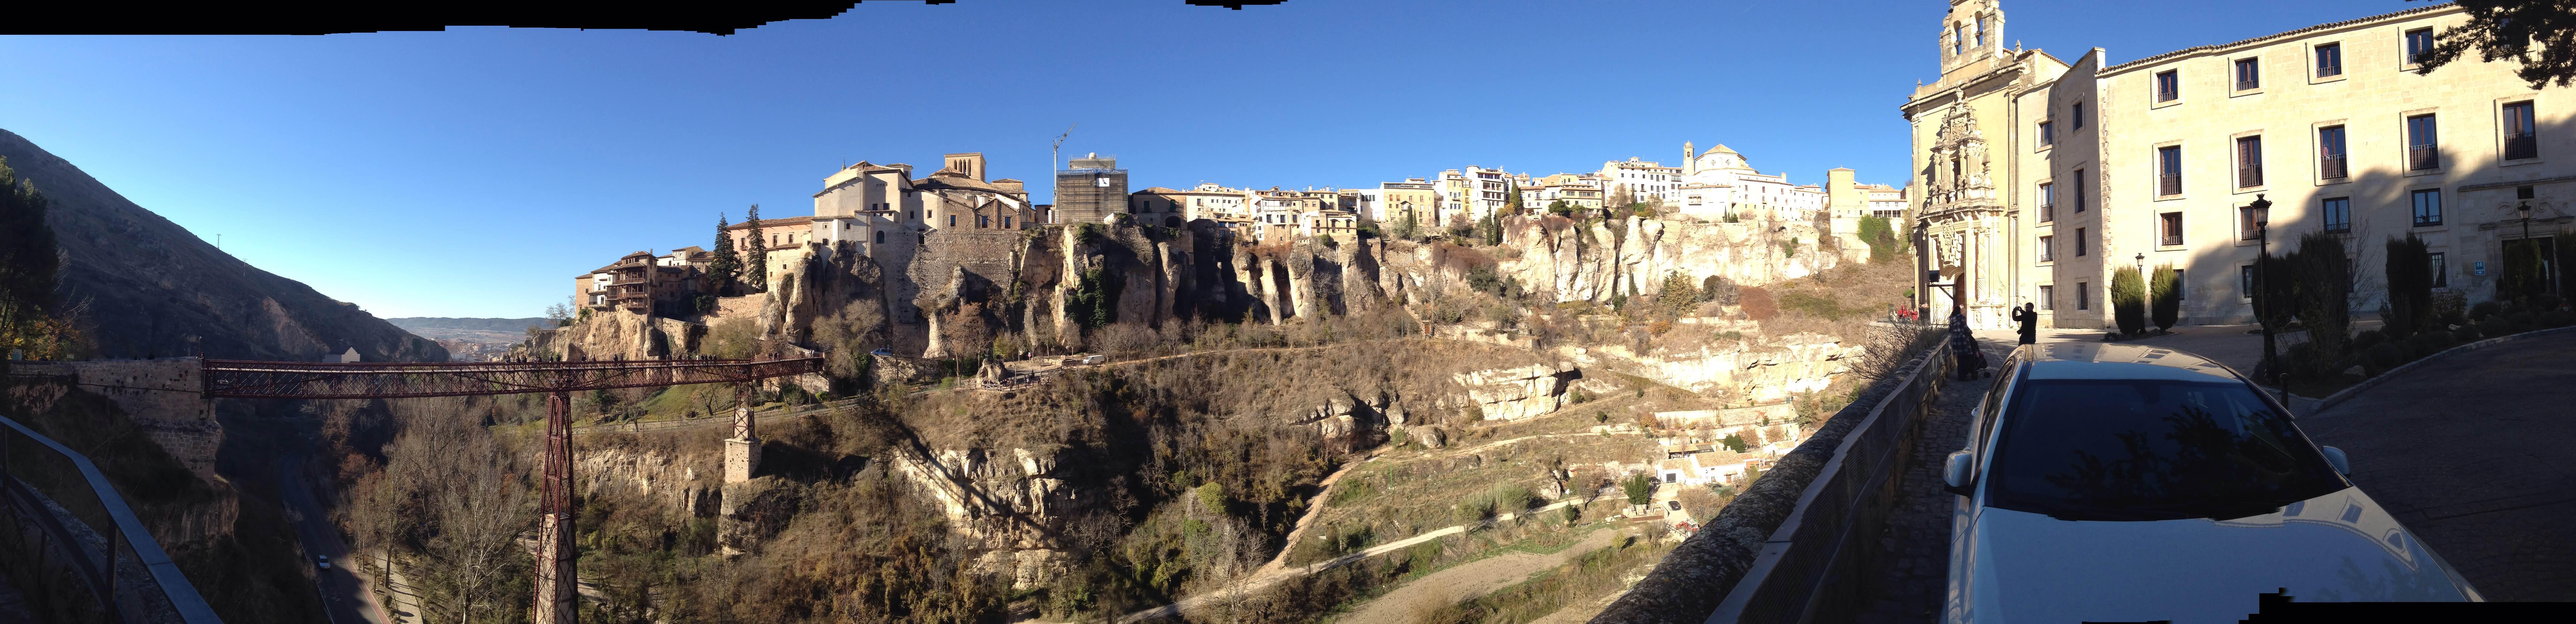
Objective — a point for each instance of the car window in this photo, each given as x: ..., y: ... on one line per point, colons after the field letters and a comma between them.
x: 2091, y: 449
x: 1994, y: 401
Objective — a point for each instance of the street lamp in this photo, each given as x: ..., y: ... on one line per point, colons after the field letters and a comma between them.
x: 2271, y: 369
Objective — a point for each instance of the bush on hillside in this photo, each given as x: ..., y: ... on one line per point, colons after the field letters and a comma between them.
x: 2484, y: 309
x: 1757, y: 303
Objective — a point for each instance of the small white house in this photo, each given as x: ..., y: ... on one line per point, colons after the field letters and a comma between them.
x: 346, y: 358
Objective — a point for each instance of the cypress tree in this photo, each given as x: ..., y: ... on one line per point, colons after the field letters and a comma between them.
x: 728, y: 264
x: 756, y: 259
x: 2324, y: 284
x: 2129, y: 300
x: 2410, y: 286
x: 2164, y: 297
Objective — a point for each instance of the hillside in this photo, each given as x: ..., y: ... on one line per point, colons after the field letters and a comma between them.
x: 415, y: 324
x: 150, y: 288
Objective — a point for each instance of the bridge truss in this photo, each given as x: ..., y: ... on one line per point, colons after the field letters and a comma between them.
x: 556, y: 580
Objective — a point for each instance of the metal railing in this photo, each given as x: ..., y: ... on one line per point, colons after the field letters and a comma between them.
x: 2331, y: 167
x: 55, y: 500
x: 2525, y: 145
x: 2249, y: 176
x: 2169, y: 185
x: 2423, y: 157
x: 2170, y: 240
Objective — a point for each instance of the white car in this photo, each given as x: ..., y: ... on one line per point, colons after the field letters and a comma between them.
x: 2129, y: 483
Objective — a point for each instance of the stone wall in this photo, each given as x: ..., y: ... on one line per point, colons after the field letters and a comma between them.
x: 163, y: 397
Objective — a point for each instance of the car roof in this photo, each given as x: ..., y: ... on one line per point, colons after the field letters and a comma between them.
x: 2084, y: 360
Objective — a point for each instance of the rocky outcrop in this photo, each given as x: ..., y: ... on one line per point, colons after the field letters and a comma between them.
x: 153, y: 289
x: 1764, y: 372
x: 1572, y: 261
x: 1009, y: 503
x: 620, y: 335
x: 1518, y: 393
x: 682, y: 481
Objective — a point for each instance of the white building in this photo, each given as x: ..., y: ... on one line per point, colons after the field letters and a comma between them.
x: 1641, y: 180
x: 1471, y: 194
x: 1722, y: 181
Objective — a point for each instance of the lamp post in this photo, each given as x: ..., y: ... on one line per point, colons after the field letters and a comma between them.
x: 2262, y: 296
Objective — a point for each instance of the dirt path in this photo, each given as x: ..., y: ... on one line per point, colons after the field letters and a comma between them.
x: 1314, y: 509
x: 1268, y: 576
x: 1470, y: 580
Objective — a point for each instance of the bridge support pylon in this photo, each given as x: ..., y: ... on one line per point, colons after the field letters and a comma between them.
x: 556, y: 581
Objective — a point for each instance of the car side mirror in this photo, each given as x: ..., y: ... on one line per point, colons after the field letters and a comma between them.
x: 1956, y: 474
x: 2335, y: 456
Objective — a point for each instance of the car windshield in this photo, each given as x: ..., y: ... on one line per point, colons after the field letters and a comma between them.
x: 2139, y: 450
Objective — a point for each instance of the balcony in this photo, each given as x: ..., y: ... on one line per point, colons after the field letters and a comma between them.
x: 2248, y: 85
x: 2249, y: 176
x: 2047, y: 213
x: 2525, y: 145
x: 2169, y: 185
x: 2171, y: 240
x: 2423, y: 157
x: 2331, y: 167
x: 2248, y: 233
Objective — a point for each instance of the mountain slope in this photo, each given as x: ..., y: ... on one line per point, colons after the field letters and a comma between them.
x: 417, y: 323
x: 155, y: 290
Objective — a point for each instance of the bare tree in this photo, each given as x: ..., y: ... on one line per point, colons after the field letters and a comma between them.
x: 481, y: 512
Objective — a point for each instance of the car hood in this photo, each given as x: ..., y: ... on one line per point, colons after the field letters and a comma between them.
x: 2341, y: 547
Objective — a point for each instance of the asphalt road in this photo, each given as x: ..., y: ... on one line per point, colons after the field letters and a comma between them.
x: 2471, y: 453
x: 344, y: 597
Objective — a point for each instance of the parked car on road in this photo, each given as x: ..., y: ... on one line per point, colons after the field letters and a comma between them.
x: 2128, y: 483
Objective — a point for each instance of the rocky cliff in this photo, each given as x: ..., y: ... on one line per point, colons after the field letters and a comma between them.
x: 152, y: 289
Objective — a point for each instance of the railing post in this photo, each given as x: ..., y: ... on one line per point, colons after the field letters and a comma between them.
x: 556, y: 580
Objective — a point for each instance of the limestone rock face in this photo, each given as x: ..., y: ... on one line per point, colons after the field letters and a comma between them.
x: 620, y: 335
x: 681, y: 481
x: 1575, y: 262
x: 1518, y: 393
x: 1759, y: 373
x: 1011, y: 505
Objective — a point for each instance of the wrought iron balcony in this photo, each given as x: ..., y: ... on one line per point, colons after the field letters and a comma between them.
x: 2525, y: 145
x: 2249, y: 176
x: 2169, y: 185
x: 2331, y: 167
x: 2423, y: 157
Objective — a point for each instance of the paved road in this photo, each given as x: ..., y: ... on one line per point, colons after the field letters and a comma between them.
x: 2472, y: 453
x: 1908, y: 587
x: 344, y: 597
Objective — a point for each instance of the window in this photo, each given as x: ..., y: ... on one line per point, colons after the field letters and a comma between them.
x: 2168, y: 85
x: 1959, y: 41
x: 2047, y: 298
x: 2338, y: 214
x: 2047, y: 202
x: 2330, y: 152
x: 982, y: 221
x: 2170, y: 226
x: 1006, y: 222
x: 2439, y: 268
x: 2079, y: 243
x: 1981, y: 32
x: 2418, y: 43
x: 2169, y: 170
x: 952, y: 220
x: 2422, y: 144
x: 2077, y: 116
x: 2079, y: 190
x: 2245, y: 220
x: 2329, y: 60
x: 2047, y: 134
x: 2180, y: 285
x: 2428, y: 207
x: 1100, y: 181
x: 2249, y: 74
x: 2245, y: 281
x: 880, y: 237
x: 2186, y: 449
x: 2521, y: 138
x: 2083, y: 297
x: 2249, y: 162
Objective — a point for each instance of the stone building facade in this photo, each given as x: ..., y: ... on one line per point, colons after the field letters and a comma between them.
x: 1089, y: 190
x: 2042, y: 178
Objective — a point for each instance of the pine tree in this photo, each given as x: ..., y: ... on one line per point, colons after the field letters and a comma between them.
x: 727, y: 265
x: 756, y: 260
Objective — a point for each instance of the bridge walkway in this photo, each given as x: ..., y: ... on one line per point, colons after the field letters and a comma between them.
x: 1917, y: 539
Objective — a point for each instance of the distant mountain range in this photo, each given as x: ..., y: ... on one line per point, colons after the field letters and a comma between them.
x: 417, y: 323
x: 153, y: 289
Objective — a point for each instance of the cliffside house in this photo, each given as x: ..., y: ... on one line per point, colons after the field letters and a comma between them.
x: 643, y: 283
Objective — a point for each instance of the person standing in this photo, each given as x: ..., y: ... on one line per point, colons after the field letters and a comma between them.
x: 1963, y: 346
x: 2028, y: 317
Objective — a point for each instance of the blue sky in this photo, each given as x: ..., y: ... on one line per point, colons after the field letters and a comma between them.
x: 473, y: 172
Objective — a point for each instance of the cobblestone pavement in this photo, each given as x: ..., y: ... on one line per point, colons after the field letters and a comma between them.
x: 2470, y: 453
x: 1916, y: 543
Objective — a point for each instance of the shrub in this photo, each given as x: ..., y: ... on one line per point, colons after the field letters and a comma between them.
x: 2322, y: 287
x: 2424, y: 344
x: 2129, y: 301
x: 2525, y: 321
x: 2557, y: 318
x: 2383, y: 356
x: 2365, y: 340
x: 1815, y: 305
x: 2545, y: 302
x: 2495, y: 326
x: 2165, y: 297
x: 1511, y: 498
x: 2466, y: 333
x: 2450, y: 307
x: 2484, y: 309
